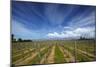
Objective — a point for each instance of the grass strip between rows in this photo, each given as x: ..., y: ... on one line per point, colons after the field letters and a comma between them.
x: 59, y: 57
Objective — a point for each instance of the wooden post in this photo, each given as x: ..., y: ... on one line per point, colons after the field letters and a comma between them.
x: 39, y: 52
x: 75, y: 51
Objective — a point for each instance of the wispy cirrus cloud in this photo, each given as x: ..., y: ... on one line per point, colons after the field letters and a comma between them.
x: 45, y: 20
x: 81, y: 21
x: 20, y: 31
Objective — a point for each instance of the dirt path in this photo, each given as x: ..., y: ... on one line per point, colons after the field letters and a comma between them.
x: 67, y: 55
x: 83, y: 52
x: 86, y: 53
x: 21, y: 62
x: 43, y: 60
x: 24, y: 52
x: 50, y: 58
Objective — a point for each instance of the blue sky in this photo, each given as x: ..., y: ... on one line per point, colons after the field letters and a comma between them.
x: 31, y: 20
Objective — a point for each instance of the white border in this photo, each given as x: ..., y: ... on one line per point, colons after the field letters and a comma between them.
x: 82, y: 2
x: 4, y: 33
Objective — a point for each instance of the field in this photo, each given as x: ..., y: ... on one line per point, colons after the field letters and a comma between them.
x: 53, y: 51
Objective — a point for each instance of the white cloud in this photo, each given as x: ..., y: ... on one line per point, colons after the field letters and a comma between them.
x: 84, y: 30
x: 88, y: 32
x: 54, y: 34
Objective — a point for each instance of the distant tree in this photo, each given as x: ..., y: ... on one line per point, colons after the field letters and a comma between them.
x: 12, y: 38
x: 20, y: 40
x: 82, y: 38
x: 27, y: 40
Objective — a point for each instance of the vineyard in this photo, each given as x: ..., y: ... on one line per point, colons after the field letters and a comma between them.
x: 53, y: 51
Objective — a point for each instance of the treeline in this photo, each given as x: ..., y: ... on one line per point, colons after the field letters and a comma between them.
x: 27, y: 40
x: 84, y: 38
x: 19, y: 39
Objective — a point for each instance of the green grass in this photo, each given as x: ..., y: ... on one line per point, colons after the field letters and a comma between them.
x: 59, y: 58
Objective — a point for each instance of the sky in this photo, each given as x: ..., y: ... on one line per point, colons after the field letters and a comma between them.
x: 32, y: 20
